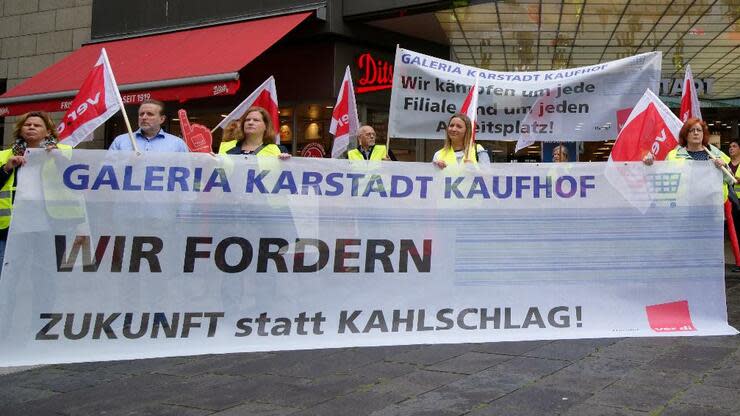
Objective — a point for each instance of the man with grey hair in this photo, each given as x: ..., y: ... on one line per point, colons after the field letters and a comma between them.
x: 366, y: 147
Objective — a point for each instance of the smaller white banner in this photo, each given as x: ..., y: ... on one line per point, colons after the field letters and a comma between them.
x: 576, y: 104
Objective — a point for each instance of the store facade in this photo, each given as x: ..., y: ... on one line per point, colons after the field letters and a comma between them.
x: 306, y: 46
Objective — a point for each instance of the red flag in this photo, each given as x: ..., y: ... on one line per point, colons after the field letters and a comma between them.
x: 689, y: 98
x: 97, y: 100
x: 264, y: 96
x: 344, y: 120
x: 651, y: 128
x: 470, y: 107
x: 198, y: 137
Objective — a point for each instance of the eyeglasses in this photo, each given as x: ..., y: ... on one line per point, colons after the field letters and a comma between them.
x: 697, y: 129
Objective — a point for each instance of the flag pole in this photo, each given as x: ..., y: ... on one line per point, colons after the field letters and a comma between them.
x: 723, y: 168
x: 120, y: 102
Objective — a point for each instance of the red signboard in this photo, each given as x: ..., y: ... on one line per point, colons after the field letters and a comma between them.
x: 375, y: 74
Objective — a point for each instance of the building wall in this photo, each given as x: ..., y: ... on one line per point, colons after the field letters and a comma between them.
x: 35, y: 34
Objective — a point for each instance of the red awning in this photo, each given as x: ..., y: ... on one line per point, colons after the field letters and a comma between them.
x: 173, y: 66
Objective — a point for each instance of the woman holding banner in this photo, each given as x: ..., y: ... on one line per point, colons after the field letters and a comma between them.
x: 32, y: 130
x: 458, y: 142
x: 693, y: 144
x: 256, y: 136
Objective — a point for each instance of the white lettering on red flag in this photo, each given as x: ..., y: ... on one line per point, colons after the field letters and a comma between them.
x: 651, y: 128
x: 95, y: 103
x: 344, y: 120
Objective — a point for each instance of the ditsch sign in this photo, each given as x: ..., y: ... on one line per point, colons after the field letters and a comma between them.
x: 375, y: 74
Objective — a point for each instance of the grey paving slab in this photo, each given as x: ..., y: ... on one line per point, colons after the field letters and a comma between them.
x: 689, y: 410
x: 694, y: 358
x: 473, y: 391
x: 11, y: 396
x: 431, y: 354
x: 532, y: 400
x: 569, y: 349
x: 588, y: 375
x: 469, y: 363
x: 216, y: 364
x: 633, y: 396
x: 217, y: 392
x: 257, y: 409
x: 627, y: 351
x: 727, y: 375
x: 416, y: 382
x: 356, y: 404
x: 509, y: 348
x: 712, y: 396
x: 61, y: 381
x: 588, y: 409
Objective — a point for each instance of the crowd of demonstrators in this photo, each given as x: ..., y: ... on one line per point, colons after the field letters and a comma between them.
x: 256, y: 137
x: 254, y: 134
x: 459, y: 146
x: 367, y: 149
x: 32, y: 130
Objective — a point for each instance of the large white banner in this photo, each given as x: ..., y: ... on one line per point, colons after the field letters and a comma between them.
x: 576, y: 104
x: 118, y: 256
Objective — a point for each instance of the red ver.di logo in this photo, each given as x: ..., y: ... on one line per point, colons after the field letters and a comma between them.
x: 670, y: 317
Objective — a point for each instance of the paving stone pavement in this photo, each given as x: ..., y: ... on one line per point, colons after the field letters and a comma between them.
x: 621, y: 376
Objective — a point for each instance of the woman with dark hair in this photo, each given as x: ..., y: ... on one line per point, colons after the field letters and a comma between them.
x: 458, y: 142
x: 31, y: 130
x: 255, y: 137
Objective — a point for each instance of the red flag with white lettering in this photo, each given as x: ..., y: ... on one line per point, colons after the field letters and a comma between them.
x: 344, y: 120
x: 264, y: 96
x: 689, y: 98
x: 97, y: 100
x: 651, y: 128
x: 470, y: 107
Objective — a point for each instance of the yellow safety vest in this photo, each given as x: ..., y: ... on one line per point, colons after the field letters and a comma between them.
x: 680, y: 153
x: 379, y: 152
x: 447, y: 155
x: 60, y: 203
x: 269, y: 150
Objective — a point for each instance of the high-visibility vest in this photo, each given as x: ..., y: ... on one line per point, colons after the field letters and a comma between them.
x: 680, y: 153
x: 59, y: 201
x: 447, y: 155
x: 267, y: 150
x: 6, y: 193
x: 379, y: 152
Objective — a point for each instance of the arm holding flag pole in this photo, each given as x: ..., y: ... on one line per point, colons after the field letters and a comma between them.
x: 120, y: 102
x: 721, y: 165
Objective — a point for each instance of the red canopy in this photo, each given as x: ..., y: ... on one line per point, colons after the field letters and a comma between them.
x: 172, y: 66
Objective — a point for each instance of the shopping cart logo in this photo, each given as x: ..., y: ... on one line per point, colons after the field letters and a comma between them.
x: 662, y: 188
x: 663, y: 183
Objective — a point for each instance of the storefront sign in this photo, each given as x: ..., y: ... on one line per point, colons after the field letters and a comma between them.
x: 576, y: 104
x: 159, y: 254
x: 674, y: 86
x: 375, y: 74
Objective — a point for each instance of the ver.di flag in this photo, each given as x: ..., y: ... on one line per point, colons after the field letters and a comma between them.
x: 690, y: 107
x: 97, y: 100
x: 650, y: 128
x: 470, y: 107
x: 264, y: 96
x: 344, y: 120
